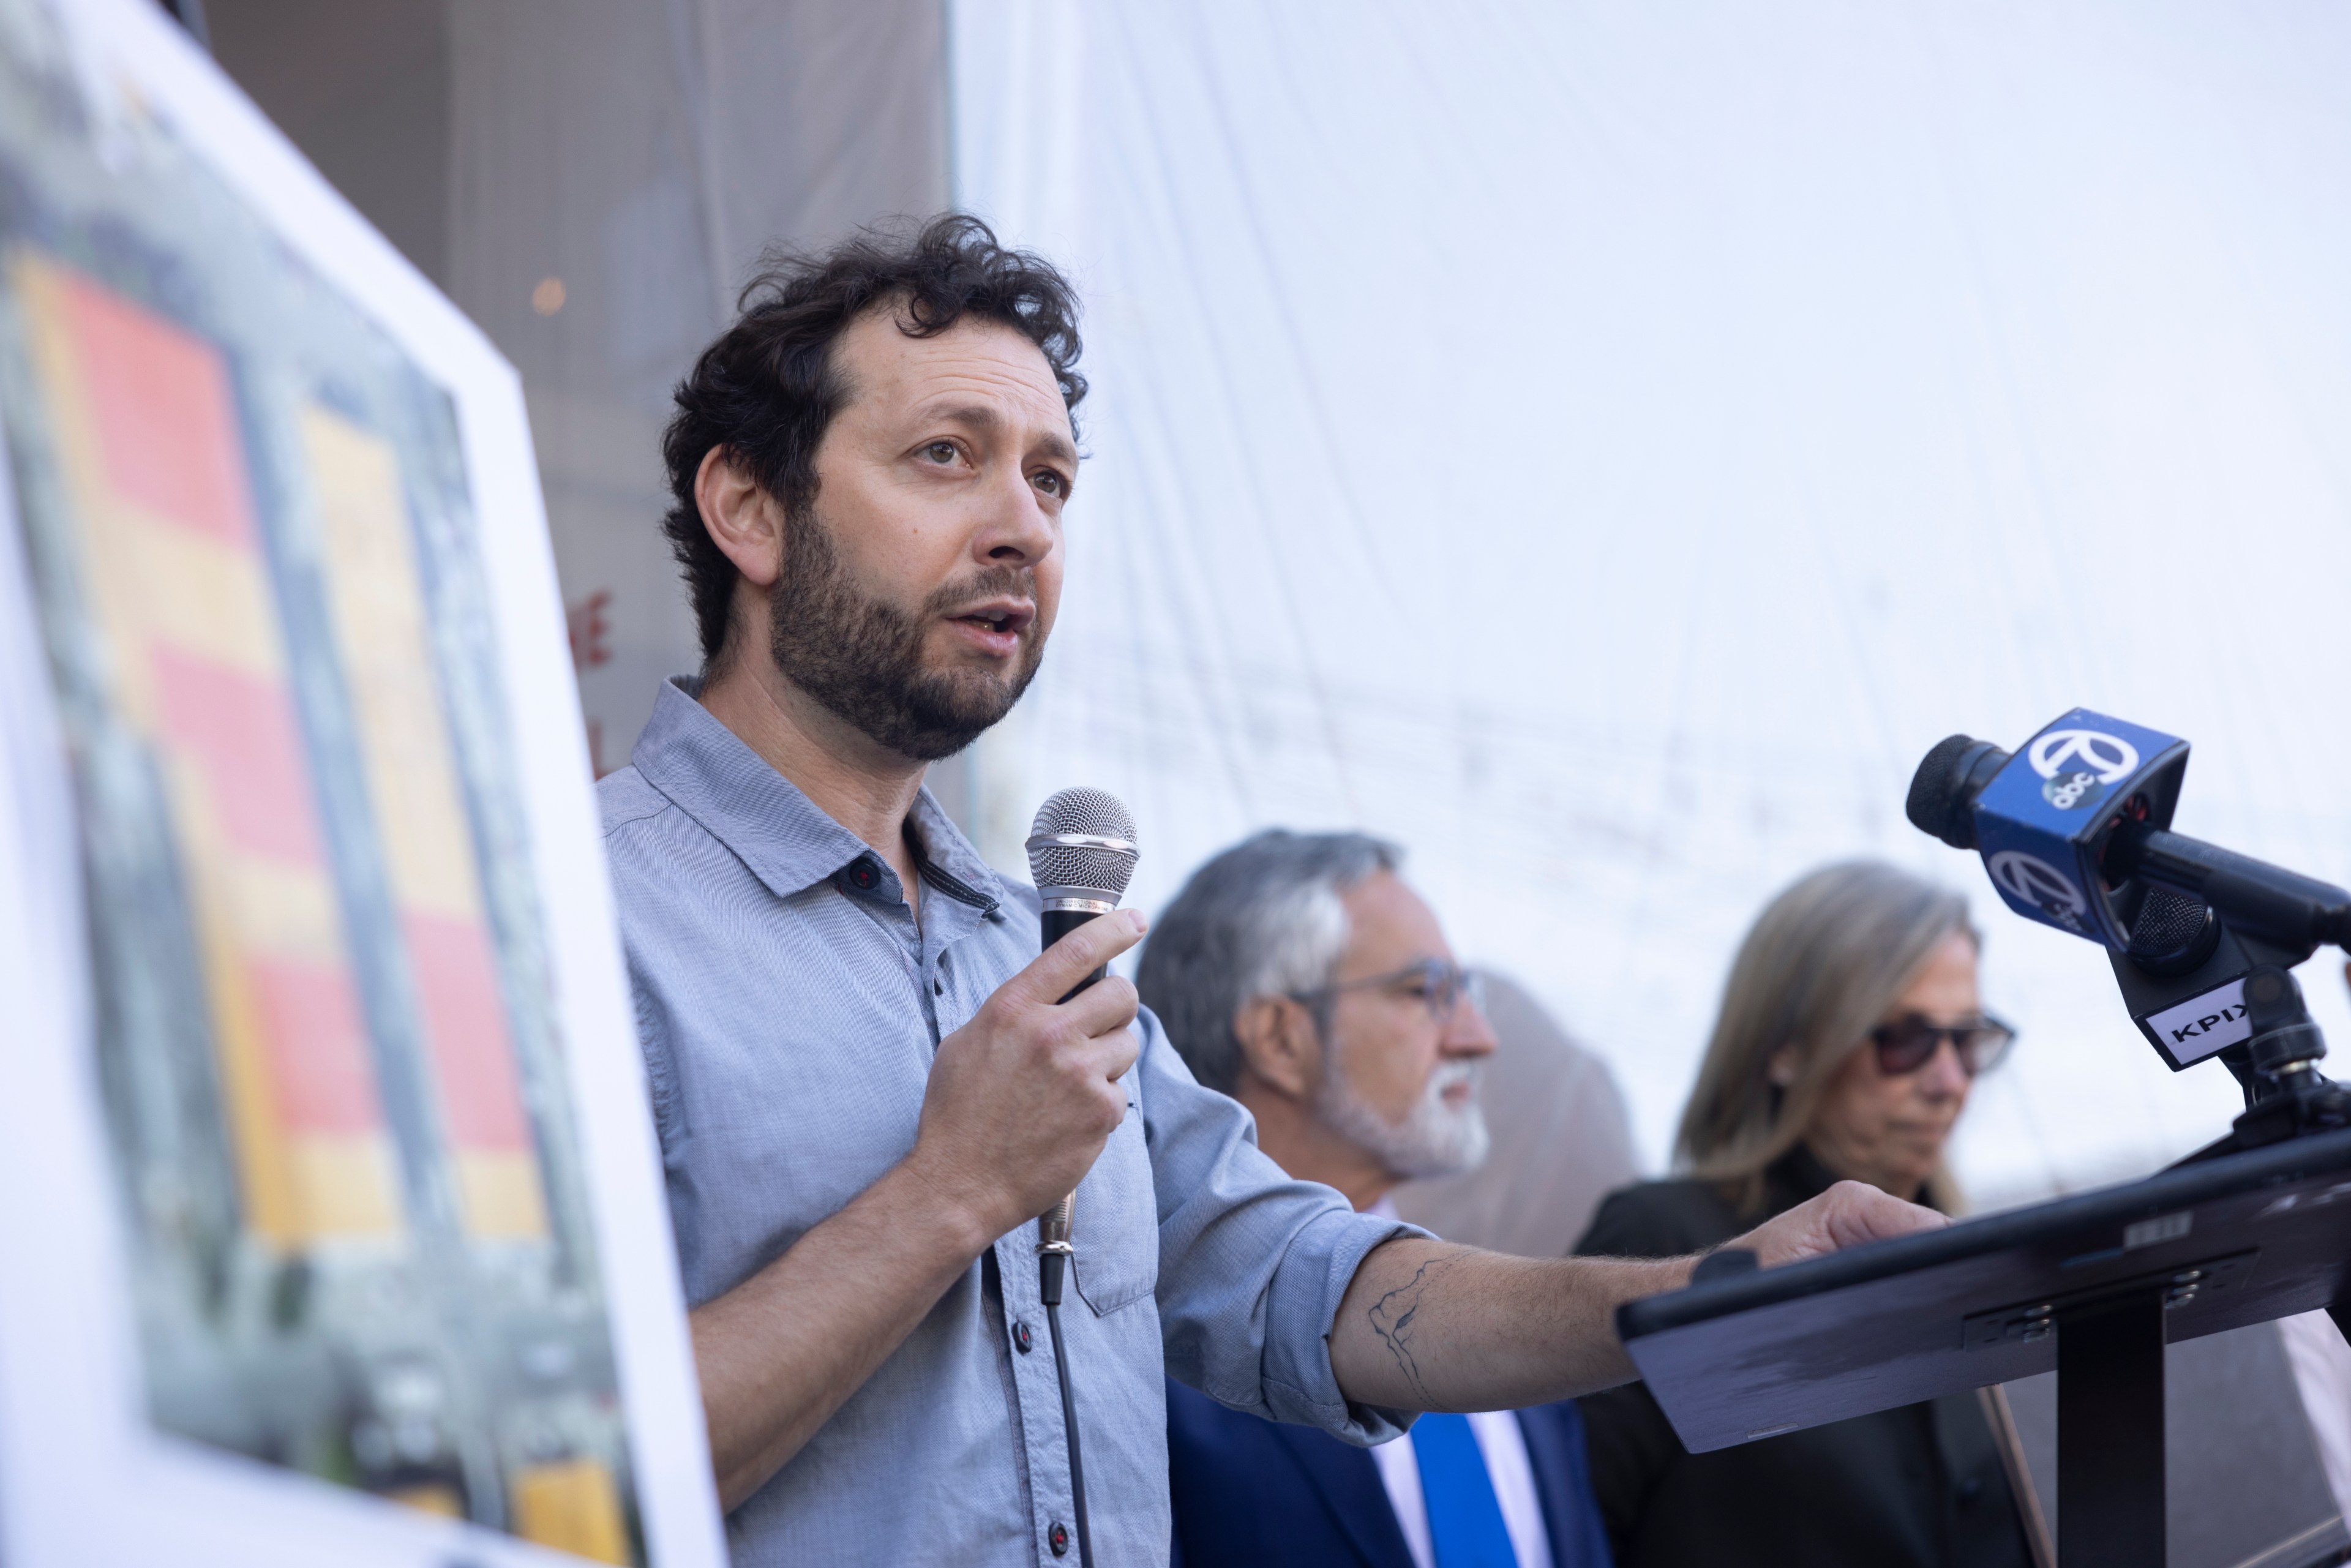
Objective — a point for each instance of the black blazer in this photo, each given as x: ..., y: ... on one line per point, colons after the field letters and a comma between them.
x: 1247, y: 1490
x: 1920, y: 1487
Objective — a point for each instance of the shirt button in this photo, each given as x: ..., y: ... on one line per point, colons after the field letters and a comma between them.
x: 1970, y: 1488
x: 863, y: 875
x: 1058, y: 1537
x: 1020, y: 1337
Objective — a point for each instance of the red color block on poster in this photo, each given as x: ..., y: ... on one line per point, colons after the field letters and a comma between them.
x: 317, y: 1046
x: 243, y: 729
x: 166, y: 420
x: 466, y: 1015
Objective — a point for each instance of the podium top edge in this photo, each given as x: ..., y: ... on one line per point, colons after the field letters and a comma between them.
x: 2165, y: 1192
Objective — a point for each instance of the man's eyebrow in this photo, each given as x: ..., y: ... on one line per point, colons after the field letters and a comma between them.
x: 983, y: 416
x: 979, y: 415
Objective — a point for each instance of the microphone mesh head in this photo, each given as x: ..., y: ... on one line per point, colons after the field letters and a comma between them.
x: 1097, y: 868
x: 2168, y: 924
x: 1937, y: 804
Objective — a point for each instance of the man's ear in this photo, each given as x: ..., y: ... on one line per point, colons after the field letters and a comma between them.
x: 1279, y: 1045
x: 744, y: 520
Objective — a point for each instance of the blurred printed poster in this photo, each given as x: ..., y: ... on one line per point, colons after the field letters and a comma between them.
x: 336, y: 1099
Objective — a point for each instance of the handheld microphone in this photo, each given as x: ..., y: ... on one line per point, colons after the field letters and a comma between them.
x: 1081, y: 854
x: 2075, y: 830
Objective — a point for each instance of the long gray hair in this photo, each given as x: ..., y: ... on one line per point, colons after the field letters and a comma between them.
x: 1262, y: 919
x: 1818, y: 970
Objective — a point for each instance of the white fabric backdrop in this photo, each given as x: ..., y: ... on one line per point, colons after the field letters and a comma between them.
x: 1604, y: 447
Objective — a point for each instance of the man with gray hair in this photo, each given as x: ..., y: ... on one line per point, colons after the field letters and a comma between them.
x: 1298, y: 973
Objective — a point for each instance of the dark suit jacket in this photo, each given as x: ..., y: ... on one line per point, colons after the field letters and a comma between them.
x: 1247, y: 1491
x: 1920, y: 1487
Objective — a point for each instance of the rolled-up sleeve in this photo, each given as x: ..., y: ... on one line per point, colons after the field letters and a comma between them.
x: 1252, y: 1264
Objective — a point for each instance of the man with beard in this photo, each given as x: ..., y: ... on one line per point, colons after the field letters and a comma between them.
x: 864, y: 1081
x: 1297, y: 973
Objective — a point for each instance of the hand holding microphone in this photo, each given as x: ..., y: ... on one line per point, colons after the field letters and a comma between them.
x: 1022, y: 1098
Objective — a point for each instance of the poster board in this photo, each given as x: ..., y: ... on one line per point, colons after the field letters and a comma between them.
x: 336, y: 1229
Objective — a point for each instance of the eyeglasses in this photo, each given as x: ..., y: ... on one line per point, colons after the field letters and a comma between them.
x: 1908, y: 1044
x: 1436, y: 985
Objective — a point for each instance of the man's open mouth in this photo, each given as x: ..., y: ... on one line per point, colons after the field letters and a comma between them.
x: 999, y: 618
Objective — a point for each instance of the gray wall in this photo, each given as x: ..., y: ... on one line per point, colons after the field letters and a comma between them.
x: 364, y: 91
x: 643, y: 152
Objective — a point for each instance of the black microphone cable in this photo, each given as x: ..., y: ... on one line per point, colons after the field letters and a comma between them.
x: 1053, y: 1254
x: 1082, y: 851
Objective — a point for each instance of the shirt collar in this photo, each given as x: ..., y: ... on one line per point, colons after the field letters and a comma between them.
x: 949, y: 862
x: 787, y: 840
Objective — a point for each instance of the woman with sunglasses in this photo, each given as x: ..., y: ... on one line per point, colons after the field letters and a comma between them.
x: 1850, y: 1034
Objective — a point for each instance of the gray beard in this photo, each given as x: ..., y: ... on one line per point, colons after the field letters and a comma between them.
x: 862, y: 659
x: 1433, y: 1140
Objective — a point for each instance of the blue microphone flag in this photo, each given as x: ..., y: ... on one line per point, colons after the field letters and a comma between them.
x: 2042, y: 822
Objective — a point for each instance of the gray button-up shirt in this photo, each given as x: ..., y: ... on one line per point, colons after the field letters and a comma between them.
x: 788, y: 1004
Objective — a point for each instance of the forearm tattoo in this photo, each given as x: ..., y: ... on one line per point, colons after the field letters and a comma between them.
x: 1395, y: 1318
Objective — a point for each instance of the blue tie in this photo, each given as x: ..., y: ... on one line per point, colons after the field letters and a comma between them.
x: 1464, y: 1519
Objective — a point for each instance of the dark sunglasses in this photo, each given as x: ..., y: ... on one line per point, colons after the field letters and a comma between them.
x: 1908, y: 1044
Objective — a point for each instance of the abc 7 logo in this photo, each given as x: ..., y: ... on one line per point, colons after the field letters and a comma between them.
x: 2107, y: 758
x: 2068, y: 790
x: 2034, y: 881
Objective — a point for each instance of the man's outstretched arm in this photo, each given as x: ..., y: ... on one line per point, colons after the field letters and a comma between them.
x: 1427, y: 1326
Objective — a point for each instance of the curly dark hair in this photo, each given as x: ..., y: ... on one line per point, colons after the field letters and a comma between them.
x: 767, y: 390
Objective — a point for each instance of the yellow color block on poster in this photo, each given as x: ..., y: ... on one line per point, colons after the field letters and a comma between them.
x: 433, y: 1497
x: 571, y: 1506
x: 417, y: 798
x: 380, y: 632
x: 498, y: 1192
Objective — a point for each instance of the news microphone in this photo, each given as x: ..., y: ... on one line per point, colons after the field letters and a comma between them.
x: 1082, y: 853
x: 2074, y: 831
x: 2085, y: 811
